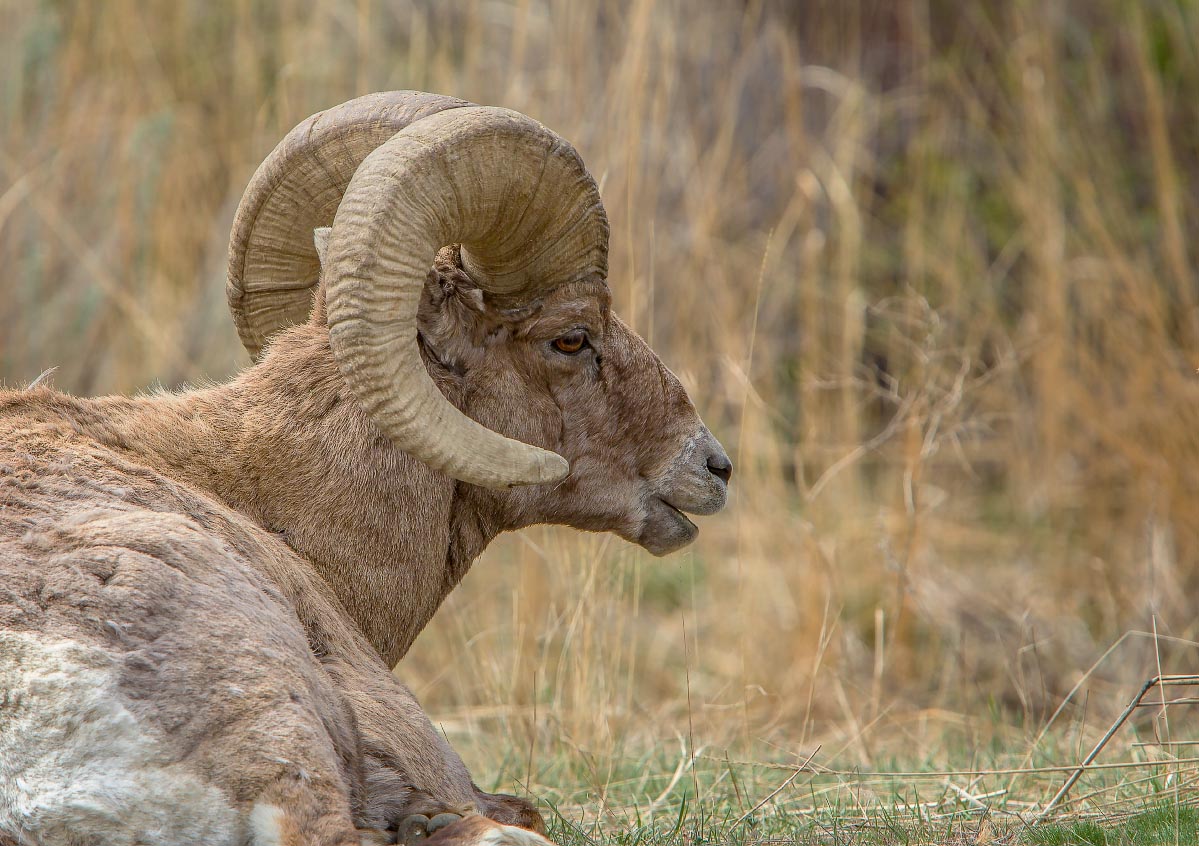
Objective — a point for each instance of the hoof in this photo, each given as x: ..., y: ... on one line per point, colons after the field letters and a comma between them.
x: 412, y: 829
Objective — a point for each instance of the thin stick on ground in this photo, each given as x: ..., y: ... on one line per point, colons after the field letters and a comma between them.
x: 1156, y: 681
x: 801, y: 768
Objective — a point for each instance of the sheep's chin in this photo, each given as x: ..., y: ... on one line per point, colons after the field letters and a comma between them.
x: 665, y: 529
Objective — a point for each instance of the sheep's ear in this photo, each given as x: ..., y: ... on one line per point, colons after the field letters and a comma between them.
x: 320, y: 237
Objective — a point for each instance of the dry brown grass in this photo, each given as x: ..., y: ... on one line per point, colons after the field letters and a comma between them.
x: 925, y: 267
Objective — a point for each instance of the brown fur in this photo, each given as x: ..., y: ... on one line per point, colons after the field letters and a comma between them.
x: 262, y: 535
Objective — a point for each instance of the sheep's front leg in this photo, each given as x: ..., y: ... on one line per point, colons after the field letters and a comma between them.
x: 409, y: 769
x: 401, y: 748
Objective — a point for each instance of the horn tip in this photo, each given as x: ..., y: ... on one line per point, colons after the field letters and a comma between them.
x: 554, y: 468
x: 546, y: 467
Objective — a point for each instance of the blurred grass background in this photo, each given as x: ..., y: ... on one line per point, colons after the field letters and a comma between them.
x: 926, y: 268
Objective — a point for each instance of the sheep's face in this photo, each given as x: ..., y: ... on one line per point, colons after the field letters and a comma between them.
x: 566, y: 374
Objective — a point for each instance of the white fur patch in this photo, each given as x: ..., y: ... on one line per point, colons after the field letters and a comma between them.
x: 76, y: 765
x: 266, y: 825
x: 508, y: 835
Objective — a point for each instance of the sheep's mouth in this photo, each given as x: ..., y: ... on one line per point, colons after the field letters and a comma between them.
x: 666, y: 528
x: 679, y: 513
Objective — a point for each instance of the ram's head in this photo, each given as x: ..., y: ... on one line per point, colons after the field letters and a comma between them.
x: 502, y: 367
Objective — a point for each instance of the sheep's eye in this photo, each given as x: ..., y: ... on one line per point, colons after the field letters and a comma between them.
x: 571, y: 342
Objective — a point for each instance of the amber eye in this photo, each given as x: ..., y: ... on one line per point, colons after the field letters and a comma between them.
x: 571, y: 342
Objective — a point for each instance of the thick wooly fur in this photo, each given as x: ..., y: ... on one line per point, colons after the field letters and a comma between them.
x: 201, y: 594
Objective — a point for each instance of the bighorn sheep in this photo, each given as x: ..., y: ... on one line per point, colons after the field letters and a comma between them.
x: 201, y: 593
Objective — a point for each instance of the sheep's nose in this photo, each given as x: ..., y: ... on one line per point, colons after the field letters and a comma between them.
x: 720, y: 466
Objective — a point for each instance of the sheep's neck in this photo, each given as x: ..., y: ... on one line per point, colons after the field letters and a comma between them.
x: 390, y: 537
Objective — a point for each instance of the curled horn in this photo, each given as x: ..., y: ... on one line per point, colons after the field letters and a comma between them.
x: 402, y: 175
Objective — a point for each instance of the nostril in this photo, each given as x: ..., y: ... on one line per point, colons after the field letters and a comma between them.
x: 720, y: 467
